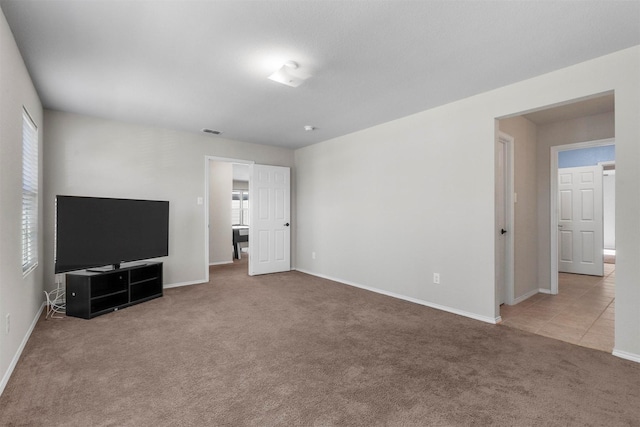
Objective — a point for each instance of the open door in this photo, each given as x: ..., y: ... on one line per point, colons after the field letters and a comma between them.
x: 270, y: 227
x: 580, y: 221
x: 504, y: 237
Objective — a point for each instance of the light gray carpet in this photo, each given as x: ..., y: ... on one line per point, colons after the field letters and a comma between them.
x: 294, y: 350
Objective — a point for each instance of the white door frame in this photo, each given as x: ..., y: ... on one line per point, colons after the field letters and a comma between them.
x: 207, y: 174
x: 553, y: 250
x: 507, y: 265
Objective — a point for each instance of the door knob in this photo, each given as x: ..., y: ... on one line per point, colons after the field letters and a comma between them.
x: 503, y: 231
x: 286, y: 225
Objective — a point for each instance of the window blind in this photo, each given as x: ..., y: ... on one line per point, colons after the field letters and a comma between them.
x: 239, y: 207
x: 29, y: 194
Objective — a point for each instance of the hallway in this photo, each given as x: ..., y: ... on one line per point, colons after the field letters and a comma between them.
x: 582, y: 313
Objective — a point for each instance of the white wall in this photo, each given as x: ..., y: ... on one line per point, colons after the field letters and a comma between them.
x: 352, y: 195
x: 389, y: 206
x: 525, y: 227
x: 220, y: 236
x: 20, y: 297
x: 609, y: 209
x: 96, y: 157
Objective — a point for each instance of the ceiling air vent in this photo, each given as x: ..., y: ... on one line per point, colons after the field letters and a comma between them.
x: 215, y: 132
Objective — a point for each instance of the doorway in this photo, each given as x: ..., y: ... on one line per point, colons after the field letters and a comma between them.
x: 269, y: 215
x: 536, y: 306
x: 504, y: 236
x: 584, y: 154
x: 220, y: 174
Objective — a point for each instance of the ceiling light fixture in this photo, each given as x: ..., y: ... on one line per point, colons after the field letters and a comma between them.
x: 309, y: 128
x: 289, y: 74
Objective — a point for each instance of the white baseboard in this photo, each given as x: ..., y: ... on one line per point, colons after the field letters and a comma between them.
x: 626, y: 355
x: 221, y: 263
x: 525, y: 296
x: 16, y: 357
x: 177, y: 285
x: 407, y: 298
x: 529, y: 295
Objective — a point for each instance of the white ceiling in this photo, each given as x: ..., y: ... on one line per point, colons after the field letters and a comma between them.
x: 189, y: 65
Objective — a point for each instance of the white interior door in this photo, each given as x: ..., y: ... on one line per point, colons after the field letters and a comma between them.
x: 270, y: 228
x: 580, y: 224
x: 500, y: 221
x: 504, y: 213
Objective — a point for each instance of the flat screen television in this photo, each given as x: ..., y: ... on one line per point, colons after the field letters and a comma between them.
x: 97, y: 232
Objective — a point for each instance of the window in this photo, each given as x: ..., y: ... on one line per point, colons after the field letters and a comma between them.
x: 239, y: 207
x: 29, y: 194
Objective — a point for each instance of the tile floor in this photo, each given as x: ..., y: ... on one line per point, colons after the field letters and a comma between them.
x: 582, y: 313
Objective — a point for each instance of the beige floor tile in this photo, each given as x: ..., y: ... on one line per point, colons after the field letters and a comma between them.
x: 602, y: 342
x: 542, y: 312
x: 580, y: 280
x: 582, y: 321
x: 538, y: 297
x: 593, y: 301
x: 525, y: 303
x: 526, y: 317
x: 507, y: 311
x: 569, y: 296
x: 587, y: 310
x: 582, y: 313
x: 597, y: 295
x: 523, y: 325
x: 590, y: 305
x: 527, y: 321
x: 603, y: 326
x: 563, y: 332
x: 608, y: 314
x: 560, y: 303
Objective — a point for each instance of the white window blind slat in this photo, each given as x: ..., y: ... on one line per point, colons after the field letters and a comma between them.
x: 240, y: 207
x: 29, y: 194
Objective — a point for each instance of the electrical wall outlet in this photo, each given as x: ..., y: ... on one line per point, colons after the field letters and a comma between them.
x: 313, y: 255
x: 8, y: 323
x: 436, y: 278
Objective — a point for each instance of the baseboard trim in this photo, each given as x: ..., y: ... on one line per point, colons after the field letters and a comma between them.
x: 221, y: 263
x: 180, y: 284
x: 626, y: 355
x: 525, y: 296
x: 16, y: 357
x: 545, y: 291
x: 407, y: 298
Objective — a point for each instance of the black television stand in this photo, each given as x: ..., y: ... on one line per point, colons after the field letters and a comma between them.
x: 92, y: 293
x: 112, y: 267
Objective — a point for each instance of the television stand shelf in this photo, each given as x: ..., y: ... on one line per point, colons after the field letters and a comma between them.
x: 91, y: 293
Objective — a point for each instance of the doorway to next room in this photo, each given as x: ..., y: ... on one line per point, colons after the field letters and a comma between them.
x: 229, y: 219
x: 550, y: 145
